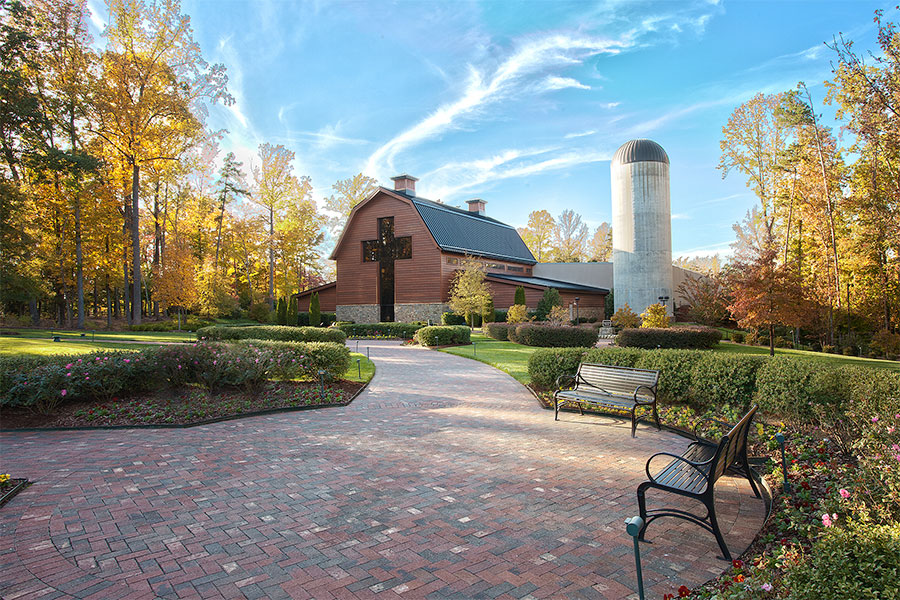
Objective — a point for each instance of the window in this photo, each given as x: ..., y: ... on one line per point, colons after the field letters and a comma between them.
x: 516, y: 269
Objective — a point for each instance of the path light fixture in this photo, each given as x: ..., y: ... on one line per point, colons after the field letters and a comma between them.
x: 322, y: 383
x: 358, y: 368
x: 633, y: 526
x: 576, y: 309
x: 779, y: 437
x: 475, y: 349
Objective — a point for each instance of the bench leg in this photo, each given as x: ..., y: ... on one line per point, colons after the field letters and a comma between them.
x: 749, y: 472
x: 633, y: 420
x: 656, y: 417
x: 555, y: 408
x: 715, y: 527
x: 642, y: 508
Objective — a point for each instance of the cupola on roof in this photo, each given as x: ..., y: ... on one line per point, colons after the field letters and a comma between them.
x: 641, y: 150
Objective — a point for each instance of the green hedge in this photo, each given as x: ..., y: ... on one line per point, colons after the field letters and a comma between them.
x: 498, y: 331
x: 280, y: 333
x: 44, y: 385
x: 448, y: 318
x: 669, y: 337
x: 326, y: 319
x: 188, y: 323
x: 549, y: 336
x: 403, y: 331
x: 444, y: 335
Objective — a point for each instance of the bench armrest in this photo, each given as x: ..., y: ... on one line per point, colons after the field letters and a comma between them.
x: 646, y: 387
x: 699, y: 426
x: 695, y: 465
x: 564, y: 377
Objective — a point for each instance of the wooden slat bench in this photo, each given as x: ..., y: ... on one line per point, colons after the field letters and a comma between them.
x: 596, y: 385
x: 694, y: 474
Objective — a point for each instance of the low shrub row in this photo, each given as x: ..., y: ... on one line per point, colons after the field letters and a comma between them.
x: 280, y: 333
x: 44, y: 385
x: 498, y: 331
x: 326, y: 318
x: 403, y: 331
x: 552, y: 336
x: 669, y: 337
x: 802, y: 392
x: 448, y: 318
x: 189, y: 323
x: 443, y: 335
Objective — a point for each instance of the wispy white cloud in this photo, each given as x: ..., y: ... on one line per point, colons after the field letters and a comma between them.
x: 721, y: 248
x: 570, y: 136
x: 555, y: 82
x: 681, y: 216
x: 482, y: 88
x: 94, y: 14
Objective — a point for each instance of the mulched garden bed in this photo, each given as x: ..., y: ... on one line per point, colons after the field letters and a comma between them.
x: 10, y: 487
x: 185, y: 406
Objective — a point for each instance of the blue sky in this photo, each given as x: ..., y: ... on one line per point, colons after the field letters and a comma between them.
x: 519, y: 103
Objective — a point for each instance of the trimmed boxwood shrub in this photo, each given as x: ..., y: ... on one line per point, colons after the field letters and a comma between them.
x: 498, y: 331
x: 548, y: 336
x: 282, y: 333
x: 796, y: 389
x: 448, y: 318
x: 545, y: 366
x: 675, y: 372
x: 403, y: 331
x: 620, y: 357
x: 674, y: 337
x: 718, y: 380
x: 304, y: 360
x: 443, y: 335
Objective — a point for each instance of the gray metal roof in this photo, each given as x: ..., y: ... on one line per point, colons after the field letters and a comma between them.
x: 458, y: 230
x: 640, y: 151
x: 551, y: 283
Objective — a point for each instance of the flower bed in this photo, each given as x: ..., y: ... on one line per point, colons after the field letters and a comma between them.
x: 9, y: 487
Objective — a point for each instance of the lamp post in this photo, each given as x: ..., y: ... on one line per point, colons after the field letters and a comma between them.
x: 576, y: 309
x: 633, y: 526
x: 664, y: 301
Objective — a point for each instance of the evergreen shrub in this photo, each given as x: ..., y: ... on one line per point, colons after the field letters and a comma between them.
x: 315, y: 312
x: 738, y: 337
x: 443, y: 335
x: 292, y: 312
x: 272, y: 332
x: 551, y: 336
x: 547, y: 302
x: 545, y: 366
x: 281, y: 312
x: 519, y: 297
x: 719, y: 380
x: 499, y: 315
x: 403, y: 331
x: 259, y: 312
x: 449, y: 318
x: 498, y: 331
x: 669, y: 337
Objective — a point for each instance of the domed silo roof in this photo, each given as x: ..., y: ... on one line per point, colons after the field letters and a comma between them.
x: 641, y: 150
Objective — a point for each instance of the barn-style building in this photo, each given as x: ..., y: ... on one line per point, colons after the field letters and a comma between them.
x: 397, y: 255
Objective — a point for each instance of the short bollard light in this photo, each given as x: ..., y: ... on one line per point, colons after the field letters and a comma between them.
x: 367, y: 353
x: 357, y: 345
x: 322, y: 382
x: 779, y: 437
x: 474, y: 349
x: 358, y: 368
x: 633, y: 526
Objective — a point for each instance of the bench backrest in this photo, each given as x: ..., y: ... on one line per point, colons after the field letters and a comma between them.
x: 731, y: 445
x: 619, y: 381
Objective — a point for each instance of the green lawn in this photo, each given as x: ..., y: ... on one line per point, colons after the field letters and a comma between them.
x: 99, y: 335
x: 513, y: 358
x: 366, y: 366
x: 10, y: 345
x: 506, y: 356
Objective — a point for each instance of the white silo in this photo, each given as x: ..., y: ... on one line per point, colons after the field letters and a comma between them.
x: 642, y: 226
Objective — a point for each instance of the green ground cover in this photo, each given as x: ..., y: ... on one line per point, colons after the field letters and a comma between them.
x: 366, y: 367
x: 513, y: 358
x: 98, y: 335
x: 16, y: 345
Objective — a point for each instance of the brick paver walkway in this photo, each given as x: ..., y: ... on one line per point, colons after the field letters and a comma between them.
x: 443, y: 480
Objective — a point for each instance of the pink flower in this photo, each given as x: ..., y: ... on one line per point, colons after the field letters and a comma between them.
x: 897, y: 456
x: 69, y: 366
x: 766, y: 587
x: 827, y: 520
x: 891, y: 429
x: 63, y: 392
x: 874, y: 419
x: 79, y: 360
x: 68, y: 374
x: 844, y: 493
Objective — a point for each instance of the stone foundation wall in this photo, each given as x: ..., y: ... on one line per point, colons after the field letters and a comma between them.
x: 407, y: 313
x: 359, y: 313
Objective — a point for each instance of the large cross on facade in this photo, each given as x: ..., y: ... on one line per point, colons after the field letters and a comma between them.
x: 385, y: 250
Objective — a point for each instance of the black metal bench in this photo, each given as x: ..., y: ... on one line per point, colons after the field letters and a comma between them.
x: 620, y: 388
x: 694, y: 475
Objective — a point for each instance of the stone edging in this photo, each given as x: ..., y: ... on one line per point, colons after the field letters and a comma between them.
x: 21, y: 485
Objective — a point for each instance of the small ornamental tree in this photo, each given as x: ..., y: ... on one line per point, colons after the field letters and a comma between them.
x: 469, y: 291
x: 520, y: 296
x: 487, y: 312
x: 547, y: 302
x: 315, y: 312
x: 625, y: 318
x: 281, y: 315
x: 292, y: 312
x: 559, y: 315
x: 517, y: 313
x: 655, y: 316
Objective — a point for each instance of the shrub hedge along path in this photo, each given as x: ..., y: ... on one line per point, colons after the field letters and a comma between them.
x: 443, y: 479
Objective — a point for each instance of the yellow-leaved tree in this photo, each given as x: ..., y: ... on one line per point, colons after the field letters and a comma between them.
x: 469, y: 291
x: 655, y: 316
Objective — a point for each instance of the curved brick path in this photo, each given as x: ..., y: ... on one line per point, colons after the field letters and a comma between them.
x: 443, y: 480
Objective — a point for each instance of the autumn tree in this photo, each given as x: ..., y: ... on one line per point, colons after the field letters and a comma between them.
x: 230, y: 185
x: 538, y: 234
x: 347, y: 194
x: 468, y: 290
x: 600, y: 249
x: 655, y: 317
x: 707, y: 298
x: 154, y: 85
x: 570, y: 238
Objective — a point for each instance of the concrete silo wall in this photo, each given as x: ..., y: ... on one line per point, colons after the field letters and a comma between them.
x: 642, y: 234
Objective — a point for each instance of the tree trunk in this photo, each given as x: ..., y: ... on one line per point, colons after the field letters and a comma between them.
x: 115, y: 295
x: 771, y: 339
x: 35, y: 313
x: 79, y: 264
x: 272, y: 258
x: 108, y: 307
x: 136, y: 243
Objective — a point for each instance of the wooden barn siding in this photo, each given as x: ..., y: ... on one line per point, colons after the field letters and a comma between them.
x: 504, y: 296
x: 447, y: 271
x: 416, y: 280
x: 327, y: 300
